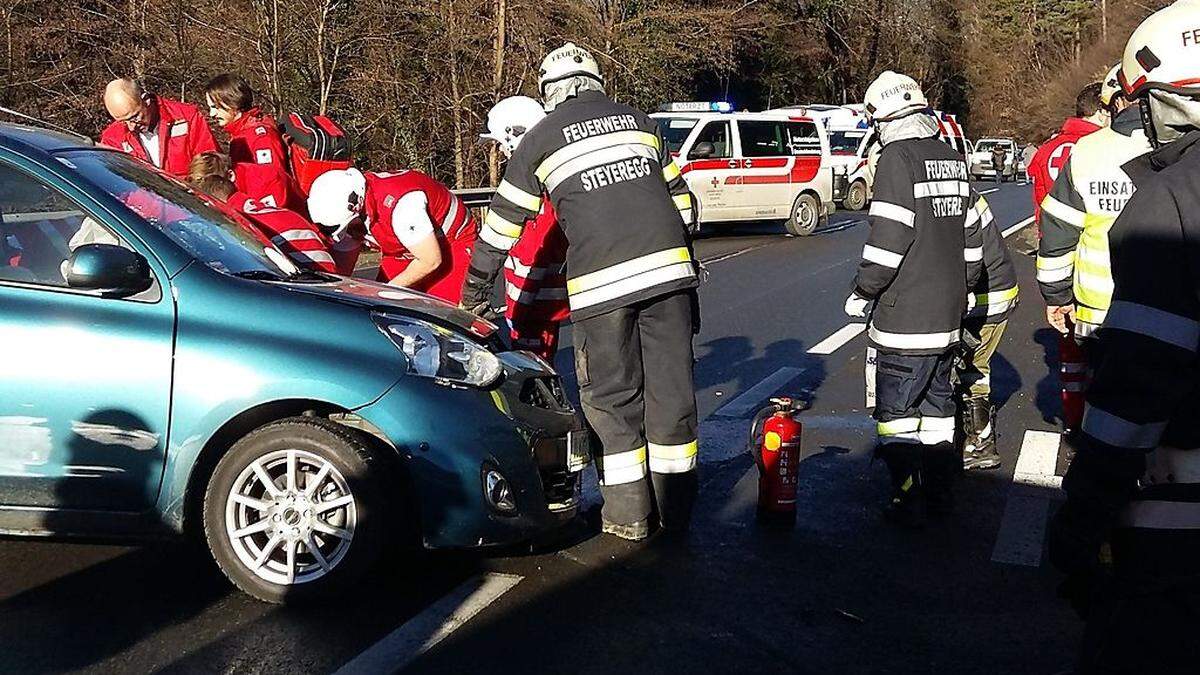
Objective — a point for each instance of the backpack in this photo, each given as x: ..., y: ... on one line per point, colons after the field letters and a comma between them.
x: 316, y: 144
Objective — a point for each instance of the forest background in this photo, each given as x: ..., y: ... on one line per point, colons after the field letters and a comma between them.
x: 412, y: 81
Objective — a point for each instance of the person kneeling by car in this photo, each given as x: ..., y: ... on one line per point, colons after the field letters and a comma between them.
x: 424, y: 231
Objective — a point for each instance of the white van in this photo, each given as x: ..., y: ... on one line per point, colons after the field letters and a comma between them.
x: 751, y: 166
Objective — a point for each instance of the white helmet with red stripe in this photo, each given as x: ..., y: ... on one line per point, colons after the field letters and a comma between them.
x: 893, y: 95
x: 1161, y: 66
x: 510, y: 119
x: 336, y: 199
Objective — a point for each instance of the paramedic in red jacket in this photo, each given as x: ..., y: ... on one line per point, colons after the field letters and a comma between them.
x: 1090, y: 115
x: 424, y: 232
x: 255, y: 145
x: 166, y: 133
x: 300, y: 240
x: 535, y: 280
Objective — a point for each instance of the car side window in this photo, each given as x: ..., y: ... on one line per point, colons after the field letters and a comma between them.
x: 716, y: 133
x: 39, y: 228
x: 802, y: 138
x: 762, y: 139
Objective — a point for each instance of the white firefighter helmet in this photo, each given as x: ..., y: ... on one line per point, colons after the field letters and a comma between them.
x: 567, y: 61
x: 893, y: 95
x: 510, y: 119
x: 1161, y: 66
x: 336, y: 199
x: 1110, y: 86
x: 1164, y: 52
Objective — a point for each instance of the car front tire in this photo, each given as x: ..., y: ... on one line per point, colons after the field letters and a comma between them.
x: 295, y: 510
x: 856, y: 196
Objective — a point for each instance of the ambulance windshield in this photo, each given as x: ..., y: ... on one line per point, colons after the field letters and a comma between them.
x: 846, y: 142
x: 205, y: 228
x: 675, y: 130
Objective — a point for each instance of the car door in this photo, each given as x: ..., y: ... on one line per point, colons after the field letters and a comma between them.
x: 709, y: 174
x: 86, y: 385
x: 765, y: 170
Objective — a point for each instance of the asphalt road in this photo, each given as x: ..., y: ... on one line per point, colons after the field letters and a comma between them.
x: 840, y: 592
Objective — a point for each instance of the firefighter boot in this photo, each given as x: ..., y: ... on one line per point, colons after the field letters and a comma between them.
x: 940, y: 465
x: 674, y: 496
x: 904, y: 504
x: 983, y: 453
x: 633, y: 532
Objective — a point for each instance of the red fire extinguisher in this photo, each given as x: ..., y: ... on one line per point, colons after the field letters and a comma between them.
x: 1074, y: 378
x: 775, y: 446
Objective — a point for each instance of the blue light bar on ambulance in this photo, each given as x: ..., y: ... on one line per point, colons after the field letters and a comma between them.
x: 697, y: 106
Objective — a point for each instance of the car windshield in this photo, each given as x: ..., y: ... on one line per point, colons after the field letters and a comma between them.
x: 986, y: 146
x: 675, y: 130
x: 210, y: 234
x: 846, y: 142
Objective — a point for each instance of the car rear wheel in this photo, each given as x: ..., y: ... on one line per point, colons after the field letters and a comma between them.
x: 806, y: 214
x: 856, y: 196
x: 295, y: 510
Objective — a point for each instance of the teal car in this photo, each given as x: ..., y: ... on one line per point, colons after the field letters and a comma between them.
x: 166, y: 371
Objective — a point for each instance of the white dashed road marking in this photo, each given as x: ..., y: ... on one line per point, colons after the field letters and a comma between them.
x: 988, y: 192
x: 420, y: 633
x: 835, y: 342
x: 1023, y: 527
x: 1017, y: 227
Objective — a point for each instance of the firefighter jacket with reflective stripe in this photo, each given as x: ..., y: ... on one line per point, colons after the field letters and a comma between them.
x: 183, y: 133
x: 300, y: 240
x: 996, y: 290
x: 1051, y: 157
x: 1073, y: 261
x: 535, y: 279
x: 918, y: 263
x: 1145, y: 394
x: 620, y: 200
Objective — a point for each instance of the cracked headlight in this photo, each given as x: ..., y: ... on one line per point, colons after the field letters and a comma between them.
x: 440, y: 353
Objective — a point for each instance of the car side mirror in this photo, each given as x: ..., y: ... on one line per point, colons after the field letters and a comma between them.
x: 114, y: 271
x: 702, y: 151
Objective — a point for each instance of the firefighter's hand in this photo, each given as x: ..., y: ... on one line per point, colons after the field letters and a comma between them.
x: 1060, y: 317
x: 475, y: 297
x: 856, y: 306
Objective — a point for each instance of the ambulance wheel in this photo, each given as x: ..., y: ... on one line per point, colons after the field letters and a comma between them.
x: 806, y: 214
x: 295, y: 511
x: 856, y: 196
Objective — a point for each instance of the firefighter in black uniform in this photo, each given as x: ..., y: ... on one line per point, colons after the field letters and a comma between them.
x: 914, y: 269
x: 995, y: 297
x: 1135, y: 479
x: 631, y: 279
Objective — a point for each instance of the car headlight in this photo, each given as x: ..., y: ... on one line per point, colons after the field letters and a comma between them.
x: 440, y: 353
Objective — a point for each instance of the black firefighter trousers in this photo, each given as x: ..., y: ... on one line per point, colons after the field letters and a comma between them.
x: 634, y: 366
x: 915, y: 411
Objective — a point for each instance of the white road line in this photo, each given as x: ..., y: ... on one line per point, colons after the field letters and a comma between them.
x: 1016, y: 227
x: 835, y: 342
x: 420, y: 633
x: 734, y: 254
x: 749, y: 401
x: 1023, y: 526
x: 988, y: 192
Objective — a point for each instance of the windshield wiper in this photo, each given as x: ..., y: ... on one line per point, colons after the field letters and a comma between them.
x: 259, y: 275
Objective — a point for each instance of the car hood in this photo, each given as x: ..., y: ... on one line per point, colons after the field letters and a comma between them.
x: 396, y: 300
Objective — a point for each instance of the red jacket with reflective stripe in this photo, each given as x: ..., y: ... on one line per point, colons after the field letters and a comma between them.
x: 301, y: 240
x: 454, y: 227
x: 272, y: 187
x: 535, y: 281
x: 1052, y: 156
x: 260, y: 162
x: 183, y: 133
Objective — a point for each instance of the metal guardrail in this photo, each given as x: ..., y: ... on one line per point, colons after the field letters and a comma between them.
x: 476, y: 197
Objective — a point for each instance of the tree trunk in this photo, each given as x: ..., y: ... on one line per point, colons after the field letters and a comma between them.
x: 501, y: 10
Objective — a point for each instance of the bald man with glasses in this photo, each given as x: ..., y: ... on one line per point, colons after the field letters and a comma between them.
x: 155, y: 129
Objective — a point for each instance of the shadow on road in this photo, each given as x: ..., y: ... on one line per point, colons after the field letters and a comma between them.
x: 1049, y: 391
